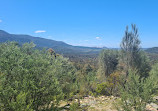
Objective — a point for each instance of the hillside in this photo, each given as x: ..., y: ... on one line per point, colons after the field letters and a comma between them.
x: 152, y: 50
x: 59, y: 46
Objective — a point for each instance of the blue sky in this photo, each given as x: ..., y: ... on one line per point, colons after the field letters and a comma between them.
x: 81, y: 22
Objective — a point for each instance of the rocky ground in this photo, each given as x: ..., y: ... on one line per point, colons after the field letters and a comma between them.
x: 103, y: 103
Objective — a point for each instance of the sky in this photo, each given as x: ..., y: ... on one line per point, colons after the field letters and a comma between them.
x: 81, y: 22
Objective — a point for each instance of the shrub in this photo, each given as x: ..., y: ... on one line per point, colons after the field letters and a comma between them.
x: 32, y: 79
x: 74, y: 106
x: 136, y: 92
x: 102, y: 89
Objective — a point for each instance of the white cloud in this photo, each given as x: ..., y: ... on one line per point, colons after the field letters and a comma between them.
x: 40, y: 31
x: 98, y: 38
x: 0, y: 20
x: 49, y: 36
x: 86, y: 40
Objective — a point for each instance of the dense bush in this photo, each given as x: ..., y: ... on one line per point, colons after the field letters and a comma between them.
x: 107, y: 62
x: 102, y: 89
x: 74, y: 106
x: 137, y: 92
x: 86, y: 78
x: 110, y: 87
x: 32, y: 79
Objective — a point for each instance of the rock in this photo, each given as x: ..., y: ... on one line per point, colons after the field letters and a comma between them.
x: 83, y: 105
x: 91, y: 102
x: 115, y: 98
x: 154, y: 105
x: 67, y: 106
x: 155, y: 99
x: 102, y: 97
x: 76, y: 100
x: 63, y: 110
x: 86, y: 98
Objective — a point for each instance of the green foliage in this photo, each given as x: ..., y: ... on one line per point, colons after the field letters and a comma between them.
x: 32, y: 79
x: 143, y: 64
x: 74, y: 106
x: 131, y: 55
x: 130, y: 48
x: 136, y: 92
x: 108, y: 60
x: 86, y: 83
x: 102, y: 89
x: 65, y: 73
x: 20, y: 104
x: 86, y: 77
x: 113, y: 81
x: 110, y: 87
x: 153, y: 75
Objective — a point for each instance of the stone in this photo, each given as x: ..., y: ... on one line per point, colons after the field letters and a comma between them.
x: 154, y: 105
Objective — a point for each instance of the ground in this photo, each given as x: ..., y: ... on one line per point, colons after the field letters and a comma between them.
x: 101, y: 103
x: 90, y: 103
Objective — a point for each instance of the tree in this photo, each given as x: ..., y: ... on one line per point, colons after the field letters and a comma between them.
x: 65, y: 73
x: 131, y: 55
x: 113, y: 82
x: 130, y: 47
x: 137, y: 92
x: 108, y: 60
x: 153, y: 75
x: 86, y: 78
x: 32, y: 79
x: 110, y: 87
x: 143, y: 64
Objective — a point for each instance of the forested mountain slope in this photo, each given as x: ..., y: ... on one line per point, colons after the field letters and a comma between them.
x: 152, y: 50
x: 59, y: 46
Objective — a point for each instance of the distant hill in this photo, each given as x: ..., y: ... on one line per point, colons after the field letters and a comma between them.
x: 152, y: 50
x: 58, y: 46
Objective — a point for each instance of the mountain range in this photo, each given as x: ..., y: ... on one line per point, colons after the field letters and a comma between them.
x: 59, y: 46
x: 152, y: 50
